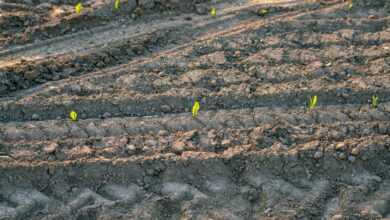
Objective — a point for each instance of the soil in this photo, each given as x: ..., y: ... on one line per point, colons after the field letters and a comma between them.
x: 255, y: 150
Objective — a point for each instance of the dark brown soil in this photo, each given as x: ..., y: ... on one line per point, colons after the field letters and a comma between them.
x: 254, y: 151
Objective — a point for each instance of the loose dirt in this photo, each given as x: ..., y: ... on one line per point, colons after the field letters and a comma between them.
x: 253, y: 152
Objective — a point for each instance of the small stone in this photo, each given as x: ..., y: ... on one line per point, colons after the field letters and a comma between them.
x: 28, y: 2
x: 162, y: 132
x: 340, y: 146
x: 35, y: 116
x: 130, y: 147
x: 75, y: 88
x: 151, y: 143
x: 77, y: 132
x: 267, y: 211
x: 352, y: 159
x: 337, y: 217
x: 50, y: 148
x: 382, y: 128
x: 106, y: 115
x: 150, y: 172
x: 318, y: 155
x: 355, y: 151
x: 226, y: 142
x: 31, y: 75
x: 201, y: 9
x: 217, y: 58
x: 211, y: 134
x: 44, y: 6
x: 372, y: 17
x: 165, y: 108
x: 189, y: 135
x: 123, y: 141
x: 317, y: 64
x: 342, y: 156
x: 178, y: 146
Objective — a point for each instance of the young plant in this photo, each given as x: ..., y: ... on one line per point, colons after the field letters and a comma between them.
x: 213, y: 12
x: 374, y: 101
x: 117, y: 4
x: 195, y: 108
x: 262, y: 12
x: 73, y: 116
x: 312, y: 102
x: 78, y: 8
x: 350, y: 5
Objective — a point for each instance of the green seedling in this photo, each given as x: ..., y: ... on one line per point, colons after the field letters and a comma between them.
x: 78, y: 8
x: 117, y: 4
x: 213, y: 12
x: 350, y: 5
x: 262, y: 12
x: 312, y: 102
x: 73, y: 116
x: 374, y: 101
x: 195, y: 108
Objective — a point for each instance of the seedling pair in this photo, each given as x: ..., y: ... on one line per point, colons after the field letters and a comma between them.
x: 79, y: 6
x: 313, y: 102
x: 195, y: 108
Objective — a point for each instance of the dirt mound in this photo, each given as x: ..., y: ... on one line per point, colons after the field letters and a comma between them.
x: 255, y: 150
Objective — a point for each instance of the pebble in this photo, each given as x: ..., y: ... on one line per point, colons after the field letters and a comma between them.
x: 318, y: 155
x: 44, y: 6
x: 383, y: 129
x: 50, y: 148
x: 130, y: 147
x: 337, y: 217
x: 178, y: 146
x: 268, y: 211
x: 211, y: 134
x: 342, y: 156
x: 75, y: 88
x: 189, y: 134
x: 106, y: 115
x: 35, y: 117
x: 226, y: 142
x: 162, y: 132
x: 165, y: 108
x: 340, y: 146
x: 150, y: 172
x: 151, y: 143
x: 201, y: 9
x: 355, y: 151
x: 352, y: 159
x: 373, y: 17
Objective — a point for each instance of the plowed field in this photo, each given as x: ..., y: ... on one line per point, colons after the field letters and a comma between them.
x: 254, y: 151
